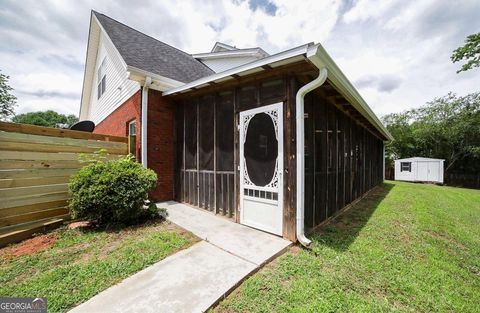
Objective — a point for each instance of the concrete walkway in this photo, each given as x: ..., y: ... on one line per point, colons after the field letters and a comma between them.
x: 194, y: 279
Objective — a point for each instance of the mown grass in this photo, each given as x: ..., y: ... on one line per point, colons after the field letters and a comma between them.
x: 81, y: 263
x: 404, y: 248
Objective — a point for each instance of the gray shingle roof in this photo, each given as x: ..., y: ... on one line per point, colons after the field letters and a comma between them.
x: 151, y: 55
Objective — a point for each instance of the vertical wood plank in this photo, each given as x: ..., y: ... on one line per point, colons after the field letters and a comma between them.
x: 289, y: 181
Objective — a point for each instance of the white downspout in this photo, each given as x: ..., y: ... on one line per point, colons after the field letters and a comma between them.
x: 300, y: 135
x: 148, y: 82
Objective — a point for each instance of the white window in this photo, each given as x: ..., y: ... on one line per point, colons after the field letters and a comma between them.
x: 132, y: 128
x: 101, y: 78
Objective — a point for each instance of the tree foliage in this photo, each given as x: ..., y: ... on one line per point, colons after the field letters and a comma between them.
x: 446, y: 128
x: 469, y: 52
x: 46, y: 118
x: 7, y: 100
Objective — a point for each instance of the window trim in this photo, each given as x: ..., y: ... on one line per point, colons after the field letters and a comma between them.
x: 129, y: 124
x: 408, y: 165
x: 102, y: 78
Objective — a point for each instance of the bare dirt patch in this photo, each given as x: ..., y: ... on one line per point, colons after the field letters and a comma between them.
x: 31, y: 246
x: 80, y: 224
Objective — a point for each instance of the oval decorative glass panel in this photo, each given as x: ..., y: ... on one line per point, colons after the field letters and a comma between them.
x: 261, y: 149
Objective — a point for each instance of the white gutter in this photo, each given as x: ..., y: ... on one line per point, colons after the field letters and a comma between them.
x: 146, y: 85
x: 300, y: 134
x: 242, y: 69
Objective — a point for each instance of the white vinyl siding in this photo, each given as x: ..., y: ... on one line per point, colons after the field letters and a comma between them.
x: 118, y: 87
x: 222, y: 64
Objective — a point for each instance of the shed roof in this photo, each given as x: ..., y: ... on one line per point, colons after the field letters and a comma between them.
x: 151, y: 55
x: 418, y: 159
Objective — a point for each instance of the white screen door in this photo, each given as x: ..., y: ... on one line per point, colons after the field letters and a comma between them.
x: 261, y: 168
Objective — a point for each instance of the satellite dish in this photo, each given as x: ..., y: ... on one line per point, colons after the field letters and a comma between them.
x: 84, y: 126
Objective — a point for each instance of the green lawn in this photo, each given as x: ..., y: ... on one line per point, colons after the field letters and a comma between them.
x: 81, y: 263
x: 406, y: 247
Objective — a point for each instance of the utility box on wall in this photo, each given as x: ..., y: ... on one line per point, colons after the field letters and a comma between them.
x: 419, y: 170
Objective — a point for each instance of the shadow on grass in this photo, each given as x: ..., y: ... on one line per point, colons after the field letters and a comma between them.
x: 342, y: 231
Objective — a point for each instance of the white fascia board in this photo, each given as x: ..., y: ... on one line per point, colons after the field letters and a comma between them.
x: 222, y: 45
x: 89, y: 66
x: 320, y: 58
x: 240, y: 69
x: 87, y: 84
x: 111, y: 42
x: 230, y: 54
x: 159, y: 82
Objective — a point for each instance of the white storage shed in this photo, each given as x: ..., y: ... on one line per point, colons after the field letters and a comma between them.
x: 419, y: 169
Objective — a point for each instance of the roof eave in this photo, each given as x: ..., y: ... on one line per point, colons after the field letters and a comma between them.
x: 320, y: 58
x: 317, y: 55
x: 241, y: 70
x: 160, y: 83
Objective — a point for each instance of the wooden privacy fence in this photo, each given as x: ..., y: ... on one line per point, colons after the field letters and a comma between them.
x: 35, y: 166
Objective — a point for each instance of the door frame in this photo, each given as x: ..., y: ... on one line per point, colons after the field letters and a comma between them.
x: 278, y: 107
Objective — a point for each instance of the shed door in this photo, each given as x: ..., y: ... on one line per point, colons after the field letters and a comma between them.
x: 422, y: 171
x: 433, y: 170
x: 261, y: 168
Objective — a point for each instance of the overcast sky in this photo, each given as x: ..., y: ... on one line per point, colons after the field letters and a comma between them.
x: 396, y: 53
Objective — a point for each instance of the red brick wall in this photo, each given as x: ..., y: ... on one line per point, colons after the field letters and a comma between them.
x: 160, y: 138
x: 116, y: 123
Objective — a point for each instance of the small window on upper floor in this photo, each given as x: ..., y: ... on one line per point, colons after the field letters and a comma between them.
x: 405, y: 166
x: 101, y: 78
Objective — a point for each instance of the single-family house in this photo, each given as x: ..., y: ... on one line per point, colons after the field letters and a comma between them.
x: 278, y: 142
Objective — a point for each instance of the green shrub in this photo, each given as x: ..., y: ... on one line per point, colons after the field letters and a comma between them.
x: 112, y: 191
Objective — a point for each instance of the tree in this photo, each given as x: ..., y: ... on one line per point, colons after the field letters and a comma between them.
x: 46, y: 118
x: 446, y: 128
x: 7, y: 100
x: 470, y: 52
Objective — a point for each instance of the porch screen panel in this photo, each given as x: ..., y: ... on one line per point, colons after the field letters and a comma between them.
x: 247, y: 98
x: 179, y: 158
x: 272, y: 90
x: 191, y: 170
x: 340, y: 162
x: 309, y: 162
x: 321, y: 154
x: 224, y: 150
x: 348, y: 161
x: 332, y: 161
x: 206, y: 111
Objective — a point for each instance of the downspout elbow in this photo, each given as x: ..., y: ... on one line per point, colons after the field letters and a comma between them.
x: 300, y: 135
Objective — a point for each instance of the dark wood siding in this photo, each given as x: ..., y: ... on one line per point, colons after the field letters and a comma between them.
x: 343, y: 160
x: 207, y: 143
